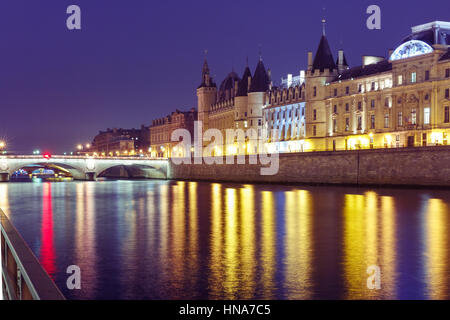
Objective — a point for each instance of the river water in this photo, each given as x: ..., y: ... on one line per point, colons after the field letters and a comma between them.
x: 199, y: 240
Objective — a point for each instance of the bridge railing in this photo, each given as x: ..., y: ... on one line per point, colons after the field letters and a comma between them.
x: 79, y: 157
x: 24, y: 278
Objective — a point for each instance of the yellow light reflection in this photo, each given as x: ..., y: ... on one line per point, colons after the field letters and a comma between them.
x: 388, y: 248
x: 298, y: 244
x: 268, y: 243
x: 177, y: 245
x: 216, y: 277
x: 369, y: 240
x: 247, y: 245
x: 354, y: 263
x: 437, y: 249
x: 231, y: 245
x: 193, y: 227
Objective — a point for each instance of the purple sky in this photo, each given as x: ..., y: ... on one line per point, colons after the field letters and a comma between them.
x: 138, y: 60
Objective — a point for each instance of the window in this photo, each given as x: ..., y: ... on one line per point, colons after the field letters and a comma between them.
x: 413, y: 116
x: 359, y: 87
x: 314, y: 114
x: 359, y: 123
x: 447, y: 115
x: 335, y: 92
x: 347, y: 124
x: 314, y: 131
x: 372, y: 121
x: 346, y: 107
x: 359, y: 105
x: 447, y: 73
x: 372, y: 104
x: 447, y: 93
x: 347, y: 90
x: 386, y: 120
x: 413, y: 77
x: 427, y: 75
x: 245, y: 113
x: 372, y: 87
x: 400, y: 119
x: 387, y: 102
x: 334, y: 125
x: 335, y: 109
x: 315, y: 91
x: 259, y: 122
x: 400, y: 80
x: 426, y: 116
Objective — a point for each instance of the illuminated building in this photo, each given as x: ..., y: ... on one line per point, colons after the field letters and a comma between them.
x: 122, y: 141
x: 236, y: 105
x: 401, y: 101
x: 161, y: 130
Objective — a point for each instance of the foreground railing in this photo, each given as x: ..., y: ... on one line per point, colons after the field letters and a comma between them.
x: 23, y: 276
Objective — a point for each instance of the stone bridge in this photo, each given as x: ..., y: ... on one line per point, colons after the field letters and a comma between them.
x: 86, y: 168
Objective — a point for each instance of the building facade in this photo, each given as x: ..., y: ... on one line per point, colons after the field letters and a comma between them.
x: 161, y: 130
x: 121, y: 142
x: 399, y: 101
x: 237, y: 104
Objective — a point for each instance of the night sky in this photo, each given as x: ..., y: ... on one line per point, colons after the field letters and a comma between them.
x: 137, y: 60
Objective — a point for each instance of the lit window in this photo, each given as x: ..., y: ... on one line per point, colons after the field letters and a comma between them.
x: 400, y: 80
x: 426, y: 116
x: 386, y: 120
x: 413, y: 77
x: 347, y: 124
x: 372, y: 121
x: 413, y: 116
x: 400, y: 119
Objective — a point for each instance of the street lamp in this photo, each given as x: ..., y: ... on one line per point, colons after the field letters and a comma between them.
x: 80, y: 147
x: 2, y: 144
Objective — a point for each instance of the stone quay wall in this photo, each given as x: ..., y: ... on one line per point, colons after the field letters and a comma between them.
x: 425, y: 166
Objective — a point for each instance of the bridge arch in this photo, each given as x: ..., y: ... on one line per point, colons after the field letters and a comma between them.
x: 76, y: 172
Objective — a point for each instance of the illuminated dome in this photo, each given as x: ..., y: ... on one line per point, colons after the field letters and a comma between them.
x: 410, y: 49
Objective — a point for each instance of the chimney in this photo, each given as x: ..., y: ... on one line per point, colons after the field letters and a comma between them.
x: 310, y: 60
x: 340, y: 61
x: 341, y: 57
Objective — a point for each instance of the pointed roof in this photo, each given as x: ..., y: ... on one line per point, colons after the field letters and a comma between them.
x: 205, y: 69
x: 324, y: 58
x: 260, y: 80
x: 243, y: 84
x: 207, y: 81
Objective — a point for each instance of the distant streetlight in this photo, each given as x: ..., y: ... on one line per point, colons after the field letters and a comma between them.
x: 2, y: 144
x: 88, y: 146
x: 80, y: 147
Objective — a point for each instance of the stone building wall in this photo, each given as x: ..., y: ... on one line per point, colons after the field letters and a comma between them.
x: 427, y: 166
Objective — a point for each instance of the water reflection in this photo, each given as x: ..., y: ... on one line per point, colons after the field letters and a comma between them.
x: 191, y: 240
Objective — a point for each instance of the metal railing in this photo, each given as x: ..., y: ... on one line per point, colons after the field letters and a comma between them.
x: 23, y: 276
